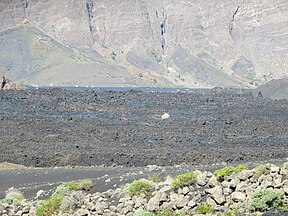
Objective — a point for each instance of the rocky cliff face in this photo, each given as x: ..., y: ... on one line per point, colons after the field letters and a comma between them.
x: 144, y: 43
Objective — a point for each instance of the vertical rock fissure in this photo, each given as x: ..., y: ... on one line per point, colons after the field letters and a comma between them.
x: 89, y: 9
x: 163, y: 31
x: 231, y: 25
x: 25, y: 6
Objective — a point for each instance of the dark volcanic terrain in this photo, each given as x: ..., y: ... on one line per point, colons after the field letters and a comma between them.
x: 56, y: 127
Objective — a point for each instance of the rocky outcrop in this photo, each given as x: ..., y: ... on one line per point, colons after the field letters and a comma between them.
x: 275, y: 89
x: 144, y: 43
x: 6, y: 84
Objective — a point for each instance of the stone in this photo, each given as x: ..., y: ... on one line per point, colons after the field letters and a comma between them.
x: 201, y: 179
x: 212, y: 181
x: 274, y: 169
x: 226, y: 184
x: 277, y: 181
x: 234, y: 182
x: 185, y: 191
x: 245, y: 174
x: 238, y: 196
x: 154, y: 202
x: 192, y: 203
x: 211, y: 202
x: 217, y: 194
x: 181, y: 202
x: 165, y: 116
x: 140, y: 202
x: 83, y: 212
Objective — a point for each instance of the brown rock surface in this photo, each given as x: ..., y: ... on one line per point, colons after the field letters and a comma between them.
x: 144, y: 43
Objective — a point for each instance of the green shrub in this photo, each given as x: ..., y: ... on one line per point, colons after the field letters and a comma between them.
x: 263, y: 199
x: 72, y: 185
x: 180, y: 213
x: 144, y: 213
x: 229, y: 170
x: 85, y: 184
x: 204, y: 209
x: 261, y: 170
x: 50, y: 207
x: 164, y: 212
x: 183, y: 180
x: 61, y: 190
x: 11, y: 201
x: 232, y: 212
x: 138, y: 187
x: 13, y: 197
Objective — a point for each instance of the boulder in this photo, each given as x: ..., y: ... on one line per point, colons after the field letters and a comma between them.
x: 217, y: 194
x: 245, y: 174
x: 238, y: 196
x: 154, y: 202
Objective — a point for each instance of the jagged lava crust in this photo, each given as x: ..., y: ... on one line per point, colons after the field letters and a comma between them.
x: 56, y: 127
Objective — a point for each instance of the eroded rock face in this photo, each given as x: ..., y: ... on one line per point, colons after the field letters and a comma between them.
x: 172, y: 43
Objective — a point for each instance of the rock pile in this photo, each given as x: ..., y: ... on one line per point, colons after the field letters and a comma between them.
x: 232, y: 193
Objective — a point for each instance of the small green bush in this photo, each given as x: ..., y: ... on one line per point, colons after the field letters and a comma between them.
x: 85, y: 184
x: 61, y: 190
x: 50, y: 207
x: 261, y: 170
x: 229, y: 170
x: 11, y: 201
x: 263, y: 199
x: 164, y: 212
x: 204, y: 209
x: 13, y: 197
x: 138, y: 187
x: 144, y: 213
x: 72, y: 185
x: 232, y: 212
x: 183, y: 180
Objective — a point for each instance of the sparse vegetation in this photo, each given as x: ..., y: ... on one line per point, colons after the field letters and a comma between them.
x: 204, y: 209
x: 229, y: 170
x: 232, y: 212
x: 13, y: 197
x: 263, y: 199
x: 85, y: 184
x: 137, y: 188
x: 61, y: 190
x: 261, y: 170
x: 144, y: 213
x: 157, y: 178
x: 50, y: 207
x: 72, y: 185
x: 183, y: 180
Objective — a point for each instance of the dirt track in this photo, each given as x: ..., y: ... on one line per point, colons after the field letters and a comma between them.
x: 62, y: 127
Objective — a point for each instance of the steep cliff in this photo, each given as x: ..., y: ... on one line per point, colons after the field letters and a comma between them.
x: 144, y: 42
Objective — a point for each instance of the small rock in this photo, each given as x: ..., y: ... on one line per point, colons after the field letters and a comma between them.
x: 213, y: 181
x: 192, y: 203
x: 238, y: 196
x: 201, y: 179
x: 217, y: 194
x: 165, y: 116
x: 245, y: 174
